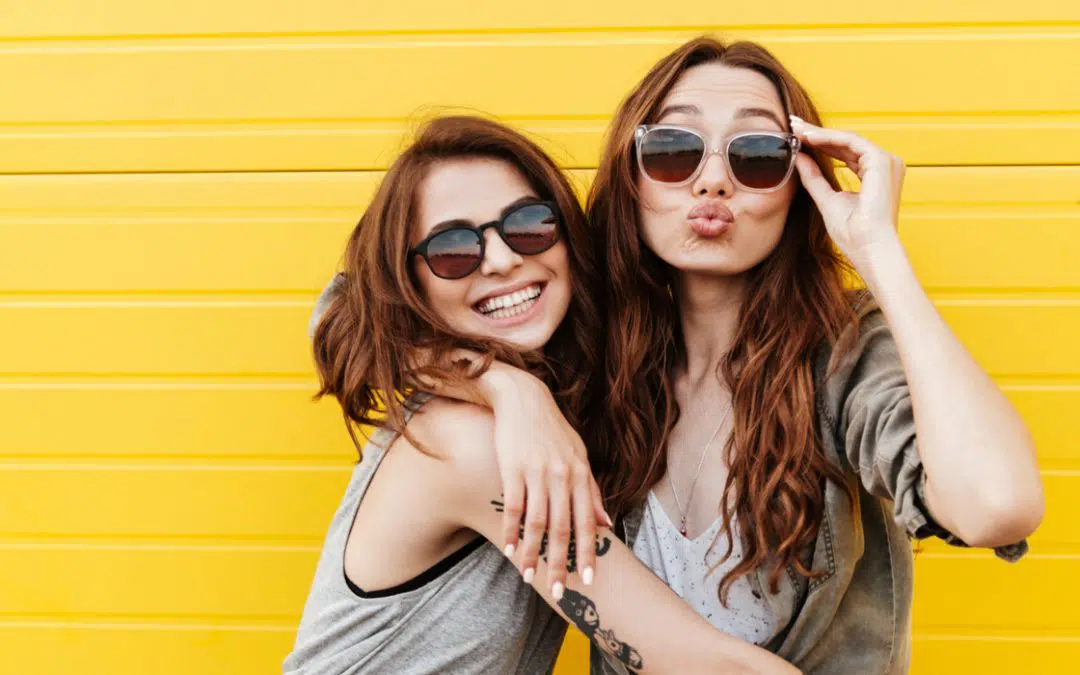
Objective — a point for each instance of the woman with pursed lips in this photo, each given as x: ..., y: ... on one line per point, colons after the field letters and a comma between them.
x: 770, y: 439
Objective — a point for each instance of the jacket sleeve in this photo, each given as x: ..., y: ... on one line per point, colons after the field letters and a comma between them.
x: 876, y: 430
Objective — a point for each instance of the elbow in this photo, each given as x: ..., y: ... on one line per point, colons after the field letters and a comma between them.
x: 1006, y: 516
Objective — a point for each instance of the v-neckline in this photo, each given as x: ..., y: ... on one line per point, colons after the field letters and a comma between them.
x: 658, y: 506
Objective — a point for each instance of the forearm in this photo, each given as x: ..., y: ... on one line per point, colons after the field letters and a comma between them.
x: 630, y: 614
x: 500, y: 386
x: 982, y: 477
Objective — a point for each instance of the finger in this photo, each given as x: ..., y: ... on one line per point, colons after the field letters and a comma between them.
x: 536, y: 513
x: 812, y: 179
x: 832, y: 139
x: 584, y: 526
x: 558, y: 527
x: 513, y: 507
x: 600, y: 513
x: 836, y: 151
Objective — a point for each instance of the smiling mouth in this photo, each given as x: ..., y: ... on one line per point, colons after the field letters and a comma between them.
x: 511, y: 304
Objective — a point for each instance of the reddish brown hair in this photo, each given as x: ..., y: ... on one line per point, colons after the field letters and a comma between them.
x: 795, y: 302
x: 379, y: 320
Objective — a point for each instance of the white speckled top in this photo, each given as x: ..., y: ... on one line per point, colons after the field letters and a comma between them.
x: 683, y: 564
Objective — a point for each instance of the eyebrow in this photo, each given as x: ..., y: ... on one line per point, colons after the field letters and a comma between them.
x: 461, y: 222
x: 744, y: 113
x: 678, y: 109
x: 741, y: 113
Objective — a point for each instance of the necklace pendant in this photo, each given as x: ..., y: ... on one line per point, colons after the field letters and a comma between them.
x: 682, y: 531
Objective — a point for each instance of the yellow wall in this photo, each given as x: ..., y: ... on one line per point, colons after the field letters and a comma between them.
x: 177, y: 180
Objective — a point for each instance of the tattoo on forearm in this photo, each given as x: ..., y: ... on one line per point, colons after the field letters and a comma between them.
x: 581, y: 612
x: 603, y: 542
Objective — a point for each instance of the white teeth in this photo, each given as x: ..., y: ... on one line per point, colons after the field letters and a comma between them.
x: 510, y: 304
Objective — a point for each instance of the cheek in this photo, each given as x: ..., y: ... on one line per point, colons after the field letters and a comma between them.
x: 557, y: 261
x: 445, y: 297
x: 769, y: 212
x: 656, y: 207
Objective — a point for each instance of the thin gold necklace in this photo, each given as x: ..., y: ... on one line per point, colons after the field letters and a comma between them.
x: 684, y: 513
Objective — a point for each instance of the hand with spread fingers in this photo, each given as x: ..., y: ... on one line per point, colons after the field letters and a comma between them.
x: 858, y: 222
x: 550, y: 499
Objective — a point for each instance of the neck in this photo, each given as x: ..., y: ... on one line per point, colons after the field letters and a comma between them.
x: 709, y: 314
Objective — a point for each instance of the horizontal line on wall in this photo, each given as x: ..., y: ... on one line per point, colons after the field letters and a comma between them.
x: 555, y: 30
x: 959, y: 634
x: 158, y: 543
x: 568, y: 167
x: 970, y: 554
x: 247, y: 621
x: 136, y: 383
x: 341, y: 459
x: 303, y: 382
x: 1042, y: 296
x: 168, y: 464
x: 150, y: 625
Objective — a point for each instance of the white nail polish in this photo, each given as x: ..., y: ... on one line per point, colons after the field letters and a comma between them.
x: 529, y: 574
x: 557, y: 591
x: 509, y: 551
x: 586, y: 576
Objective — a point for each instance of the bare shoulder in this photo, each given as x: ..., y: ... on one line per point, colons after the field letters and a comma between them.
x: 459, y: 434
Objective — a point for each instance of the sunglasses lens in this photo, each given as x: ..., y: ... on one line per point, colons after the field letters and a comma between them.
x: 531, y: 229
x: 760, y: 161
x: 454, y: 254
x: 670, y: 155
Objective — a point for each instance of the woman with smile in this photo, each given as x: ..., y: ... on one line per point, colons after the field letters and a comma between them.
x: 474, y: 240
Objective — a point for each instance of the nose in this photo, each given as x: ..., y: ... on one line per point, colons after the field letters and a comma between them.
x: 714, y: 180
x: 499, y: 259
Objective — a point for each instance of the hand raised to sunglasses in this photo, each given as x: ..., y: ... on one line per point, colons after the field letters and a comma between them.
x: 857, y: 221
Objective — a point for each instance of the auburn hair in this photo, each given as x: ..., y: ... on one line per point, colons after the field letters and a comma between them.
x: 366, y: 343
x: 795, y: 302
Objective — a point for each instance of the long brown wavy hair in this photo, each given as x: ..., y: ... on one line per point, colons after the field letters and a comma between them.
x: 795, y: 303
x: 366, y: 342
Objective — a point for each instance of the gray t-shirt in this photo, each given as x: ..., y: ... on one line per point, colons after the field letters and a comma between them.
x: 478, y: 616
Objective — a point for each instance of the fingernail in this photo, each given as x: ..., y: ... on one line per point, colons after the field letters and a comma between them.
x: 509, y: 551
x: 610, y: 522
x: 796, y: 119
x: 586, y: 576
x: 529, y: 574
x: 557, y: 590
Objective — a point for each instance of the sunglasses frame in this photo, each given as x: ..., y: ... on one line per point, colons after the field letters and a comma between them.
x: 421, y: 249
x: 791, y: 139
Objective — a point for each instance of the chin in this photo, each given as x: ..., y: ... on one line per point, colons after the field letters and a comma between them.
x: 530, y: 340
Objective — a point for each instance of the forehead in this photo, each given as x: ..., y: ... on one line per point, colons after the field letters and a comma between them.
x: 719, y: 91
x: 472, y: 189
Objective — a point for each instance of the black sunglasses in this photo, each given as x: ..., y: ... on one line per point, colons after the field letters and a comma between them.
x: 457, y: 252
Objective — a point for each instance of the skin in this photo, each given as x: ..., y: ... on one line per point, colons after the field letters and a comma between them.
x: 554, y: 471
x: 452, y: 490
x: 478, y: 191
x: 718, y: 108
x: 983, y: 482
x: 717, y: 101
